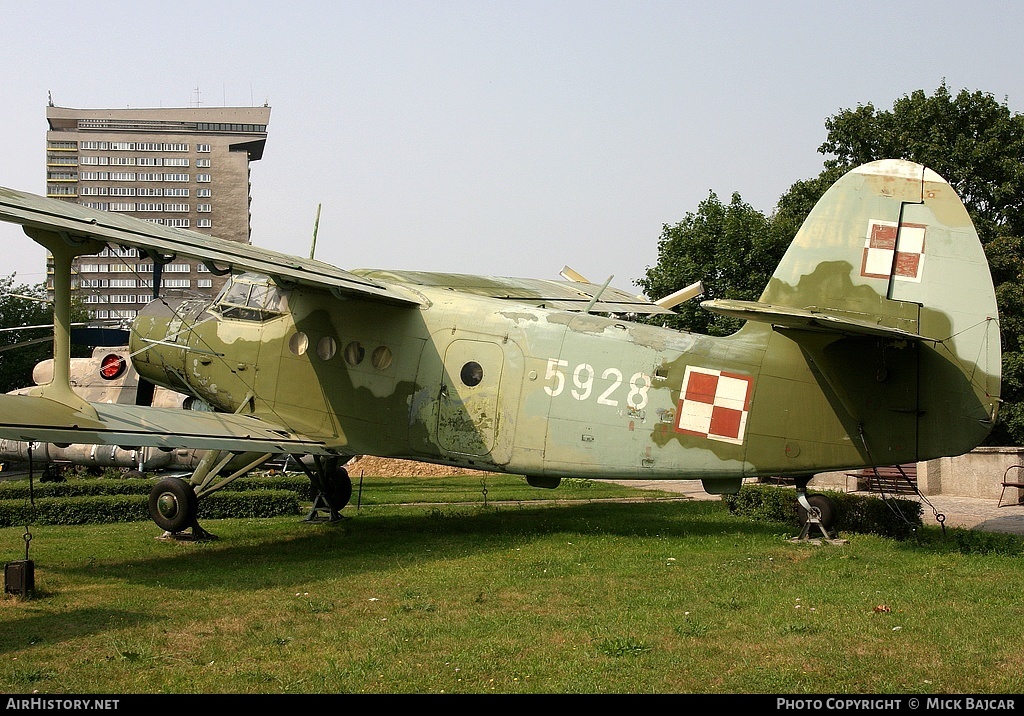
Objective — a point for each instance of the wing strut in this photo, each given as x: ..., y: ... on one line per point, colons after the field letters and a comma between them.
x: 64, y: 249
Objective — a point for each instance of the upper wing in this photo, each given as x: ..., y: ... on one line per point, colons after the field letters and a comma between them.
x: 32, y: 418
x: 558, y: 295
x: 220, y: 256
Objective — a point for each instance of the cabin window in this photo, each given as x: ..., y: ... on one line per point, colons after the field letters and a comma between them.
x: 381, y: 358
x: 298, y: 343
x: 354, y: 353
x: 472, y: 374
x: 326, y: 347
x: 250, y: 297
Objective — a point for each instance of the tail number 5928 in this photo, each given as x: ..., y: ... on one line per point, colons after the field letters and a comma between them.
x: 583, y: 376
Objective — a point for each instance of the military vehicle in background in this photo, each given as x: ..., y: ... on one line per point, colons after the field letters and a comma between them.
x: 105, y: 377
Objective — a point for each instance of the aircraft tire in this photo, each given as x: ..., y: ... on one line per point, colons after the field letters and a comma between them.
x: 825, y: 507
x: 173, y: 504
x: 339, y: 486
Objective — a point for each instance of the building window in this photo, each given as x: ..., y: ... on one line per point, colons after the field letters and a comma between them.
x: 204, y: 283
x: 176, y: 162
x: 119, y: 251
x: 204, y: 163
x: 203, y: 193
x: 202, y: 177
x: 175, y: 177
x: 202, y: 147
x: 204, y: 208
x: 204, y: 223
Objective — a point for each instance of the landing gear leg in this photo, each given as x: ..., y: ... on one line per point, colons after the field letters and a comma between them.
x: 817, y: 514
x: 174, y: 503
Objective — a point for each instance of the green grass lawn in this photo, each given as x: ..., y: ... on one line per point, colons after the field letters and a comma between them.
x: 511, y: 597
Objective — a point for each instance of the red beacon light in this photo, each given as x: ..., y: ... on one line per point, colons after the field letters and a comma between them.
x: 112, y: 366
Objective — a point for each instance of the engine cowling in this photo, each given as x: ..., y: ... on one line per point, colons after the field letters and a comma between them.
x: 160, y: 337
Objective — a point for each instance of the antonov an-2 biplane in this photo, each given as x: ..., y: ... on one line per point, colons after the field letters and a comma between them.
x: 876, y: 342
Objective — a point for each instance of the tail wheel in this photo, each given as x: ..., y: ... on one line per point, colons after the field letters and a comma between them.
x: 173, y: 504
x: 822, y: 507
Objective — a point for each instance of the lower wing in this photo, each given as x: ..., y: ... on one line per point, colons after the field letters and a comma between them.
x: 34, y: 418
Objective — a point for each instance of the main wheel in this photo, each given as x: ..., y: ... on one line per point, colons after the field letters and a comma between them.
x: 173, y: 504
x: 823, y: 506
x: 339, y: 489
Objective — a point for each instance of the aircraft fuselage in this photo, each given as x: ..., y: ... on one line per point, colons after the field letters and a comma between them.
x: 473, y: 381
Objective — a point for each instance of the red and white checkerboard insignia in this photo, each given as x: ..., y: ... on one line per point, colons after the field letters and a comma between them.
x: 714, y: 404
x: 880, y: 244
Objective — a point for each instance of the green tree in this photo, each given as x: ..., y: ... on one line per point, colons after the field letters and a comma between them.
x: 731, y: 248
x: 22, y: 305
x: 973, y: 141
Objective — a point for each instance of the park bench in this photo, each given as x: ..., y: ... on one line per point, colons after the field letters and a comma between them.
x: 1011, y: 483
x: 891, y: 478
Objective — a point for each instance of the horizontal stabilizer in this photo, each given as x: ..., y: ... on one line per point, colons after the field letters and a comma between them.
x: 809, y: 319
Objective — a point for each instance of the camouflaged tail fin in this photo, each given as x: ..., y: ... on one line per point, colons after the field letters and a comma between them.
x: 886, y: 290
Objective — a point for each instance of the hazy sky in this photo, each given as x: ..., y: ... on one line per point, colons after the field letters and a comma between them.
x: 501, y: 138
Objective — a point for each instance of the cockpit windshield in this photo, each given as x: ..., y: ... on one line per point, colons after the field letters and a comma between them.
x: 250, y: 297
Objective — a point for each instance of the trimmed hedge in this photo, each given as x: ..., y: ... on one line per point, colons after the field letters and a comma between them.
x: 105, y: 500
x: 896, y: 518
x: 19, y: 489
